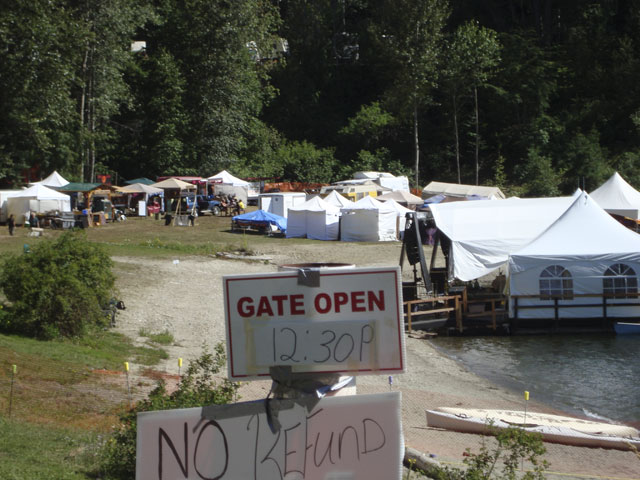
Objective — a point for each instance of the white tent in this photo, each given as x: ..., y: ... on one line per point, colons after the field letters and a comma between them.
x: 585, y: 251
x: 337, y: 200
x: 460, y: 190
x: 618, y: 197
x: 53, y: 180
x: 39, y: 199
x: 401, y: 213
x: 4, y: 195
x: 483, y: 234
x: 226, y: 178
x: 315, y: 219
x: 368, y: 220
x: 385, y: 179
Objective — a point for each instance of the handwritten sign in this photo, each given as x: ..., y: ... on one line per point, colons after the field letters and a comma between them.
x: 340, y: 438
x: 347, y: 321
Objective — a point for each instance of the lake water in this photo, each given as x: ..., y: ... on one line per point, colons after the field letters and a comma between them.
x: 593, y: 375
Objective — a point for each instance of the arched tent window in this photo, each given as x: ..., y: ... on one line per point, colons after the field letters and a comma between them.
x: 556, y: 282
x: 619, y: 280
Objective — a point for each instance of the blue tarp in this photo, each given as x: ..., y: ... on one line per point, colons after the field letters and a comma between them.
x: 260, y: 218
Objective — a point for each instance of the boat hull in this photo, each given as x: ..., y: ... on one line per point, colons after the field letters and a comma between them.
x: 625, y: 328
x: 553, y: 428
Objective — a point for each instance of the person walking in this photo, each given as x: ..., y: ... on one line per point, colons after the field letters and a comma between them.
x: 11, y: 223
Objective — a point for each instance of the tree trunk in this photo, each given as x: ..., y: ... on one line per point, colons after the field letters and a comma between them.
x: 455, y: 129
x: 416, y: 144
x: 475, y: 96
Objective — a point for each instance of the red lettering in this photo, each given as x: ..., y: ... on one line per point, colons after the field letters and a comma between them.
x: 264, y: 308
x: 280, y: 299
x: 245, y: 307
x: 340, y: 299
x: 319, y: 300
x: 357, y: 302
x: 297, y: 304
x: 379, y: 301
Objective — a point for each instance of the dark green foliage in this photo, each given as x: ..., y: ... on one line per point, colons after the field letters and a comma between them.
x: 198, y: 387
x: 504, y: 462
x: 59, y: 288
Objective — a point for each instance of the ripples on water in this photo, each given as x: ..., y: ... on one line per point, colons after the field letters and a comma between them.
x: 594, y: 375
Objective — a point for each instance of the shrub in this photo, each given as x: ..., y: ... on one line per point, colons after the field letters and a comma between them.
x: 59, y: 288
x: 515, y: 445
x: 197, y: 388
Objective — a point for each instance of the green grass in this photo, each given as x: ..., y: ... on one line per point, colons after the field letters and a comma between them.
x: 40, y: 452
x: 162, y: 338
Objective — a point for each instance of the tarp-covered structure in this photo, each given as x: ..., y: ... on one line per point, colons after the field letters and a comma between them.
x: 368, y: 220
x: 404, y: 198
x: 461, y: 190
x: 385, y: 179
x: 261, y: 219
x: 38, y: 199
x: 315, y: 219
x: 616, y: 196
x: 483, y: 234
x: 53, y: 180
x: 584, y: 252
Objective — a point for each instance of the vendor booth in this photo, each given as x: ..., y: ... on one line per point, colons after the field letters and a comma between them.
x: 368, y: 220
x: 38, y: 199
x: 314, y: 219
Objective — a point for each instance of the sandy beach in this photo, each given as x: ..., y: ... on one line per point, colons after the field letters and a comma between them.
x: 184, y: 297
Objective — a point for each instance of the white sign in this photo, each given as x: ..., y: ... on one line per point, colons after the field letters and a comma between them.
x: 341, y: 438
x: 349, y: 321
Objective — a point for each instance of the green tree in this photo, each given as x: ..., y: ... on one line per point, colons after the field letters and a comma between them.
x: 411, y: 34
x: 59, y: 288
x: 472, y: 58
x: 38, y: 55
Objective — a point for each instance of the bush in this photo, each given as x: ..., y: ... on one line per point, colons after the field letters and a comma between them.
x: 197, y: 388
x: 515, y: 445
x: 59, y: 288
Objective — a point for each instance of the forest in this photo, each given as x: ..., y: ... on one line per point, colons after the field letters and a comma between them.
x: 538, y: 97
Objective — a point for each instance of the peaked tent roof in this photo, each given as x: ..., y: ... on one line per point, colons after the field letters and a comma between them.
x: 618, y: 197
x: 402, y: 196
x: 397, y: 207
x: 369, y: 203
x: 334, y: 198
x: 53, y: 180
x: 226, y: 177
x: 583, y: 230
x: 174, y: 183
x: 143, y: 180
x: 140, y: 188
x: 460, y: 190
x: 42, y: 192
x: 484, y: 234
x: 316, y: 204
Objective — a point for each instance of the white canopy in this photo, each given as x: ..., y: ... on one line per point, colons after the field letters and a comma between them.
x: 585, y: 242
x: 140, y: 188
x: 53, y: 180
x: 39, y: 199
x: 315, y: 219
x: 460, y: 190
x: 618, y: 197
x: 337, y: 200
x: 226, y: 178
x: 369, y: 220
x: 483, y: 234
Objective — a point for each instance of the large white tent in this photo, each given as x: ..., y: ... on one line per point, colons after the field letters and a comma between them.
x: 368, y: 220
x: 618, y: 197
x: 585, y: 251
x: 53, y: 180
x: 226, y: 178
x: 39, y: 199
x: 315, y: 219
x: 483, y: 234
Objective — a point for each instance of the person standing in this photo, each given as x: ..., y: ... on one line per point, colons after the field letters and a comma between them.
x: 11, y: 223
